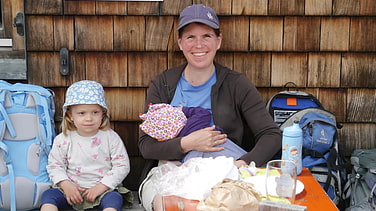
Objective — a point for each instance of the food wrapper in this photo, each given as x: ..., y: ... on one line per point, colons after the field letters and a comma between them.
x: 231, y: 195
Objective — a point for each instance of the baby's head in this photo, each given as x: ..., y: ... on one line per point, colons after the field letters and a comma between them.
x: 163, y: 121
x: 84, y: 92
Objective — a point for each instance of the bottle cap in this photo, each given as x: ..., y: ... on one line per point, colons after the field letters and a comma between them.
x: 293, y: 130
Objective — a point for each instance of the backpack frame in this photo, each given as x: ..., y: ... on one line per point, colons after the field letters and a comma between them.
x: 27, y: 130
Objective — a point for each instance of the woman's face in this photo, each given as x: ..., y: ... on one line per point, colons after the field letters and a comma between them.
x: 199, y: 44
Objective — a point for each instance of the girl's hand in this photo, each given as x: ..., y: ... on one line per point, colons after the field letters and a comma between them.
x: 204, y: 140
x: 92, y: 193
x: 72, y: 192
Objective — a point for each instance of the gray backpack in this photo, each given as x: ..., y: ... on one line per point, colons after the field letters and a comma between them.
x: 361, y: 186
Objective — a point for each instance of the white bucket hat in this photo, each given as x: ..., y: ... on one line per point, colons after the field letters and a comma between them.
x: 85, y: 92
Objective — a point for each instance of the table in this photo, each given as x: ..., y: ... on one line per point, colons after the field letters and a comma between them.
x: 313, y: 197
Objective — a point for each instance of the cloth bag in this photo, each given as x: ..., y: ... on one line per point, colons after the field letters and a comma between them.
x: 231, y: 195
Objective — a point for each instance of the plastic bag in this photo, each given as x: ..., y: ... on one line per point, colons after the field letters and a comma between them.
x: 194, y: 178
x: 231, y: 195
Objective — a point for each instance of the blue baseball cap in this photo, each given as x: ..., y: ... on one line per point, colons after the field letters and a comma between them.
x: 198, y: 13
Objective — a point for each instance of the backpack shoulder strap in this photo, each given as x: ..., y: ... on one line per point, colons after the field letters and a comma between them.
x: 4, y: 118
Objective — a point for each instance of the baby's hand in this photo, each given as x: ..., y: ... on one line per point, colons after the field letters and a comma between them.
x: 240, y: 163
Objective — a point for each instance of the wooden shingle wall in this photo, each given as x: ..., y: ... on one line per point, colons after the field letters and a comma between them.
x: 327, y: 47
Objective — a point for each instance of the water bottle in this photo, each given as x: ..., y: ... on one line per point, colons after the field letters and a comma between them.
x: 292, y: 143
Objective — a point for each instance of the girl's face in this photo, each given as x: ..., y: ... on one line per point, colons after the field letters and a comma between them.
x: 87, y: 118
x: 199, y: 44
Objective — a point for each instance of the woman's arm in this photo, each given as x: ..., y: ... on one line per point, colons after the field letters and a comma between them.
x: 266, y: 133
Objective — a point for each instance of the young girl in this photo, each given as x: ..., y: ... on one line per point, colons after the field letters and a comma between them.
x: 88, y: 160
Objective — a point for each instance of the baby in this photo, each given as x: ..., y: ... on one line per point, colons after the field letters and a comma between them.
x: 163, y: 121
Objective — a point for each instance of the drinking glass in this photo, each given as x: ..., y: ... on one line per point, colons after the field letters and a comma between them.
x: 281, y: 181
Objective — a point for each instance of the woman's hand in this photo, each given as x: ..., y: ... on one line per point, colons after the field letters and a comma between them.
x: 92, y: 193
x: 204, y: 140
x: 72, y: 192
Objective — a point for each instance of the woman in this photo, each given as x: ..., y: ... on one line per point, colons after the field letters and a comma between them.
x: 234, y: 101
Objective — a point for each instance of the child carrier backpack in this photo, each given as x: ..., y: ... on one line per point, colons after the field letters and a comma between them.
x: 321, y: 152
x: 360, y: 189
x: 27, y: 130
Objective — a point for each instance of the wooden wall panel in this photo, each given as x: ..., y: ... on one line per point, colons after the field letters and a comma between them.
x: 286, y: 7
x: 221, y: 7
x: 267, y: 93
x: 335, y: 34
x: 7, y: 21
x: 142, y: 67
x: 335, y: 101
x: 324, y: 70
x: 110, y: 7
x: 129, y: 133
x: 173, y: 38
x: 43, y: 6
x: 63, y: 32
x: 266, y: 33
x: 158, y: 31
x: 39, y: 34
x: 361, y: 105
x: 109, y: 69
x: 363, y: 34
x: 358, y: 70
x: 225, y: 59
x: 175, y: 58
x: 357, y: 136
x: 143, y: 8
x: 249, y: 7
x: 18, y: 42
x: 234, y: 39
x: 94, y: 33
x: 129, y: 33
x: 318, y: 7
x: 79, y: 7
x: 289, y: 67
x: 43, y: 69
x: 256, y: 66
x: 77, y: 68
x: 367, y: 7
x: 173, y: 7
x: 301, y: 34
x: 346, y: 7
x: 125, y: 103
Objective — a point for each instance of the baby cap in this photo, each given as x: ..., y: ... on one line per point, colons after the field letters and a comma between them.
x: 163, y: 121
x: 85, y: 92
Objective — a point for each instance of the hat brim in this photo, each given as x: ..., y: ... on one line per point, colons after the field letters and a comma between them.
x: 208, y: 23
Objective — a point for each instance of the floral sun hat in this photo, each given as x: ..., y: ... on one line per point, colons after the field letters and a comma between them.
x: 163, y: 121
x: 85, y: 92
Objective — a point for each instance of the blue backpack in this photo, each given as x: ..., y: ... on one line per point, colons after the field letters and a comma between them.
x: 27, y: 130
x: 285, y: 103
x: 321, y: 153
